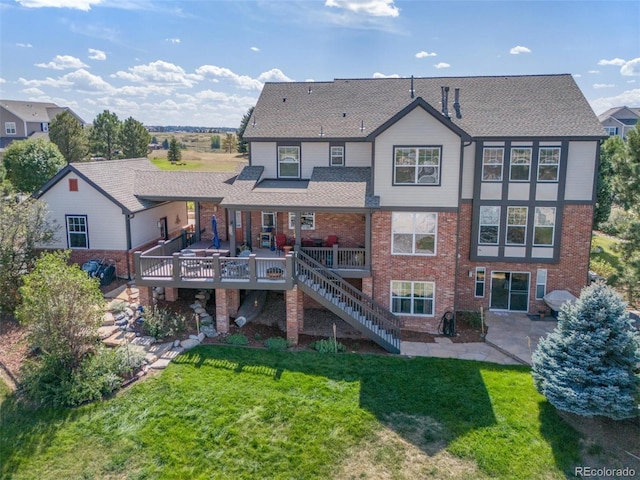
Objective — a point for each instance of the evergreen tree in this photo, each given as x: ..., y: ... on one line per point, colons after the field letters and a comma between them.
x: 611, y: 148
x: 134, y: 139
x: 175, y: 154
x: 104, y: 135
x: 587, y: 364
x: 626, y: 169
x: 154, y: 140
x: 165, y: 144
x: 243, y: 146
x: 215, y: 142
x: 69, y: 135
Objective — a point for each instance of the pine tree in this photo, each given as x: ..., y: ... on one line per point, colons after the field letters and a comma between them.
x: 587, y: 364
x: 174, y: 154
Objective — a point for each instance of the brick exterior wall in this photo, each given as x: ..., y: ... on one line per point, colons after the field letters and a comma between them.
x: 571, y: 273
x: 207, y: 209
x: 439, y: 269
x: 295, y: 313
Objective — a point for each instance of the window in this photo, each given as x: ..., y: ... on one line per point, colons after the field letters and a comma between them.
x: 238, y: 219
x: 520, y: 164
x: 268, y: 220
x: 489, y: 225
x: 10, y: 128
x: 416, y: 165
x: 516, y: 225
x: 544, y: 225
x: 412, y: 298
x: 77, y: 233
x: 480, y: 281
x: 492, y: 164
x: 414, y: 233
x: 548, y: 163
x: 611, y: 131
x: 73, y: 184
x: 289, y: 162
x: 307, y: 221
x: 337, y: 156
x: 45, y: 127
x: 541, y: 284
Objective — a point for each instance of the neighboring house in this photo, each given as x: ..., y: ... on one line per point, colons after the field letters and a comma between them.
x: 20, y: 120
x: 404, y: 199
x: 98, y: 216
x: 619, y: 120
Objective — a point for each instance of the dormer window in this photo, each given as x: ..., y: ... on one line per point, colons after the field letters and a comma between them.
x: 289, y: 162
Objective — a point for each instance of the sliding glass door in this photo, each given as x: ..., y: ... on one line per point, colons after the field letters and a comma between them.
x: 510, y: 291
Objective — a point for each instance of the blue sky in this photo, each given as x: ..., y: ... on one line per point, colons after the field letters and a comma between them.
x: 203, y: 62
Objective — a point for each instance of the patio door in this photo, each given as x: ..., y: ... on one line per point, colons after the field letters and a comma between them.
x: 509, y: 291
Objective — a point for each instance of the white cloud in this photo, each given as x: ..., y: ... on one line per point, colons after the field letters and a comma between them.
x: 632, y: 67
x: 63, y: 62
x: 214, y: 73
x: 593, y: 71
x: 603, y: 85
x: 255, y: 49
x: 629, y: 97
x: 172, y: 40
x: 442, y: 65
x: 97, y: 54
x: 159, y: 72
x: 382, y: 75
x: 83, y: 81
x: 144, y: 91
x: 84, y: 5
x: 2, y: 80
x: 274, y: 75
x: 374, y: 8
x: 577, y: 75
x: 631, y: 81
x: 24, y: 45
x: 519, y: 49
x: 424, y: 54
x: 33, y: 91
x: 614, y: 61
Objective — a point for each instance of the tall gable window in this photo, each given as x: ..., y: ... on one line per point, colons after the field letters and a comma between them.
x: 289, y: 162
x: 416, y: 165
x: 337, y: 156
x: 10, y: 128
x: 492, y: 164
x: 489, y: 225
x: 77, y: 232
x: 548, y: 164
x: 414, y: 233
x: 516, y: 225
x: 520, y: 164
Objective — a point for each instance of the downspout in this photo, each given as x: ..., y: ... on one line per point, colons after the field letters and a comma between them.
x: 457, y: 262
x: 127, y: 224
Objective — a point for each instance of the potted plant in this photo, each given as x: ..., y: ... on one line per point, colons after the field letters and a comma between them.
x: 274, y: 272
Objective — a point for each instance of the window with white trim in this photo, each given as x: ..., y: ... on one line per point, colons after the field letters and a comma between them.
x: 492, y: 164
x: 480, y: 282
x: 268, y: 220
x: 414, y: 233
x: 337, y: 156
x: 548, y: 164
x: 520, y: 164
x: 541, y: 283
x: 289, y: 162
x: 611, y: 131
x: 489, y: 231
x: 10, y: 128
x: 77, y: 232
x: 516, y: 225
x: 416, y: 165
x: 544, y: 226
x: 307, y: 221
x: 412, y: 298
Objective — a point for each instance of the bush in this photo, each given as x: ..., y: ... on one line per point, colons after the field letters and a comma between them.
x: 160, y: 323
x: 237, y: 339
x: 618, y: 222
x: 328, y: 346
x: 276, y: 343
x: 470, y: 318
x: 604, y: 269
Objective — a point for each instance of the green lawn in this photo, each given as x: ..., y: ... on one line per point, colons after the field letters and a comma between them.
x: 225, y: 412
x: 198, y: 161
x: 607, y: 254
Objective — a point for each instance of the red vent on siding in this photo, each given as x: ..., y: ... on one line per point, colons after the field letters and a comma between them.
x: 73, y: 184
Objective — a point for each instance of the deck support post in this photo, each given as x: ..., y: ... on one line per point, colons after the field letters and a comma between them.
x: 222, y: 310
x: 295, y: 313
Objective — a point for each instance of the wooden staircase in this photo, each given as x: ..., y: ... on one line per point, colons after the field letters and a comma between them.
x: 352, y: 305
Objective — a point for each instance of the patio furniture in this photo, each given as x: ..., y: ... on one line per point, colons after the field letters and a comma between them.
x: 332, y: 240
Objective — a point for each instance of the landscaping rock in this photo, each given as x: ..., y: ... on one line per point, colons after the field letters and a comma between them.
x: 189, y: 343
x: 176, y: 343
x: 145, y: 342
x: 106, y: 331
x: 108, y: 319
x: 201, y: 337
x: 209, y: 331
x: 119, y: 338
x: 160, y: 363
x: 200, y: 310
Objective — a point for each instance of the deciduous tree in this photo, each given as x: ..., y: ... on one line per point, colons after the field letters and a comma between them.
x: 105, y: 134
x: 229, y: 143
x: 31, y: 163
x: 587, y: 364
x: 134, y: 139
x: 69, y: 135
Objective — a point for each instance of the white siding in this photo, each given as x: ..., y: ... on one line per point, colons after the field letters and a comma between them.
x: 417, y: 128
x: 515, y: 251
x: 519, y: 191
x: 542, y: 252
x: 581, y: 166
x: 491, y: 190
x: 547, y: 191
x: 488, y: 251
x: 265, y: 154
x: 313, y: 154
x: 144, y: 225
x: 357, y: 154
x: 105, y: 221
x: 468, y: 168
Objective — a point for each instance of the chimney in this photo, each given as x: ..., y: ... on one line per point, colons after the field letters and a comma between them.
x: 456, y: 103
x: 445, y: 101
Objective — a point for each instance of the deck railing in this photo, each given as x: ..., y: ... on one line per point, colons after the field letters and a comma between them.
x: 338, y: 257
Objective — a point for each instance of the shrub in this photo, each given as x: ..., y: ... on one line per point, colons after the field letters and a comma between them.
x: 603, y: 268
x: 237, y: 339
x: 470, y: 318
x: 276, y: 343
x: 328, y: 346
x: 618, y: 221
x: 160, y: 323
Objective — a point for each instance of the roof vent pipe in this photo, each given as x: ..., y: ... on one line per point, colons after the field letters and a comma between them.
x: 412, y: 90
x: 456, y: 103
x: 445, y: 101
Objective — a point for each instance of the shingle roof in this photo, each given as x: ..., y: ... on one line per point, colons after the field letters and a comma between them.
x: 500, y: 106
x: 34, y: 111
x: 179, y: 185
x: 328, y: 187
